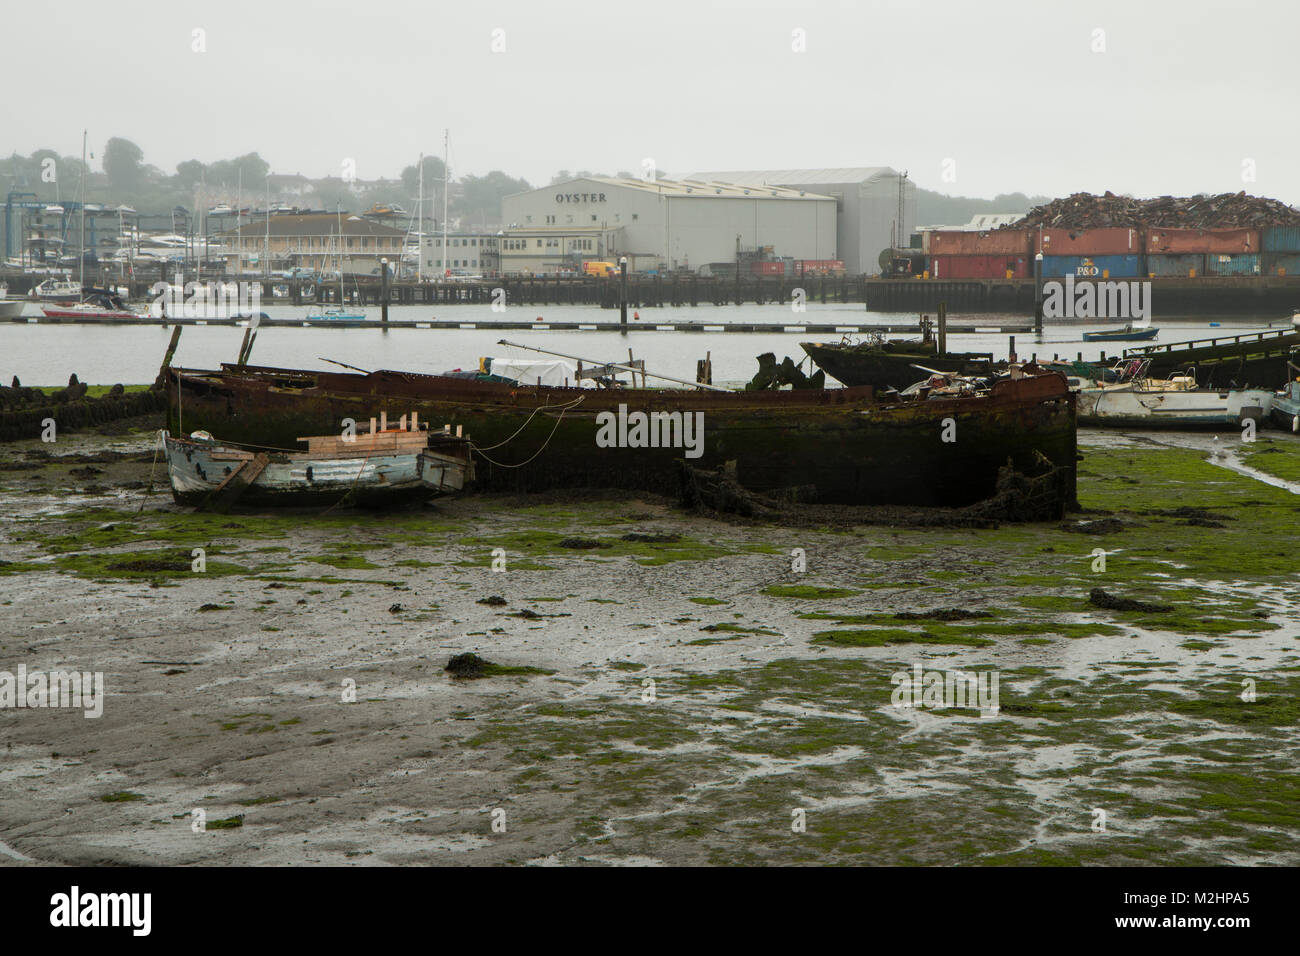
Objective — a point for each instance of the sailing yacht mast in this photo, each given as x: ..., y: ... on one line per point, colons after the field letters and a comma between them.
x: 446, y: 158
x: 419, y: 228
x: 81, y: 272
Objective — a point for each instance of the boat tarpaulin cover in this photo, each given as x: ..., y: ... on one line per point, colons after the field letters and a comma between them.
x: 528, y: 371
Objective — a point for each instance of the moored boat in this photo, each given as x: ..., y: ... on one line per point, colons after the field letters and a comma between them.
x: 1286, y: 406
x: 841, y: 446
x: 1142, y: 402
x: 386, y: 466
x: 89, y: 311
x: 1127, y: 334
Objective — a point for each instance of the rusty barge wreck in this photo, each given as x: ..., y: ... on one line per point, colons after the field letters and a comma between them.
x: 830, y: 446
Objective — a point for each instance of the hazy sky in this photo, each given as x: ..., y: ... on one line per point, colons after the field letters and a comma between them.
x: 1012, y: 93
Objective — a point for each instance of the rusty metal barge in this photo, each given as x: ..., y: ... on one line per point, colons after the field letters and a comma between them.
x: 835, y: 446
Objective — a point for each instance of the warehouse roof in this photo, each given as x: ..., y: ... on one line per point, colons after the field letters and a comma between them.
x: 315, y: 224
x: 693, y: 188
x: 844, y: 174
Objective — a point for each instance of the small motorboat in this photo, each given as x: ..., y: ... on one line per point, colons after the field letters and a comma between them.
x: 1126, y: 334
x: 1136, y: 401
x: 1286, y: 406
x: 90, y: 311
x: 387, y: 466
x: 9, y: 308
x: 336, y: 315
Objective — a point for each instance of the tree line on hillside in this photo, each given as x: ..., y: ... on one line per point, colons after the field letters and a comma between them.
x: 128, y: 180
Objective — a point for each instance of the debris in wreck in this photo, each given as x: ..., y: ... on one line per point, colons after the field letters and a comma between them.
x: 1101, y: 598
x: 1017, y: 498
x: 773, y: 375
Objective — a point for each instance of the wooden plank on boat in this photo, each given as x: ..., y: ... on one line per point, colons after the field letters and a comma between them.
x: 235, y: 483
x: 394, y: 442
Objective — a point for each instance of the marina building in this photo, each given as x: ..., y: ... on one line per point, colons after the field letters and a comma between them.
x: 662, y: 224
x: 870, y: 201
x: 317, y: 241
x: 468, y: 254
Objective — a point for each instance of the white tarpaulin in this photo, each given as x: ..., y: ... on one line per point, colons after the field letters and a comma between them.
x: 528, y: 371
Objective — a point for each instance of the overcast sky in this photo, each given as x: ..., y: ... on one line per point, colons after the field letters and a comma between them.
x: 1012, y: 93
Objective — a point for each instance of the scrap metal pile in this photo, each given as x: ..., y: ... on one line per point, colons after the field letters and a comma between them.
x: 1225, y: 211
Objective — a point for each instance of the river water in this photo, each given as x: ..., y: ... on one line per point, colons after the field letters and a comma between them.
x: 46, y: 354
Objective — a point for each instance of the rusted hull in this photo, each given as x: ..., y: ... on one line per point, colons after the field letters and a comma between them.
x: 861, y: 365
x: 834, y: 445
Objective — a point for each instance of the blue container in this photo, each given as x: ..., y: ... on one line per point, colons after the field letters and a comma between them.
x: 1176, y: 265
x: 1282, y: 263
x: 1092, y: 267
x: 1282, y: 239
x: 1241, y: 264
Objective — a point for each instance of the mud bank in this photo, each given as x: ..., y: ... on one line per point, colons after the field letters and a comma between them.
x: 667, y: 688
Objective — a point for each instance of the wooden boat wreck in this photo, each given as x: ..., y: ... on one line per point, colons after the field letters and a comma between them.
x: 892, y: 364
x: 386, y: 466
x: 840, y: 446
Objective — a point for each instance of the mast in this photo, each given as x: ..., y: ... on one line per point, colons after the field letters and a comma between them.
x: 446, y: 158
x: 81, y: 272
x: 419, y: 227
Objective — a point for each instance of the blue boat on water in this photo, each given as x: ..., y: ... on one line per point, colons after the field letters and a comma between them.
x: 1126, y: 334
x: 337, y: 315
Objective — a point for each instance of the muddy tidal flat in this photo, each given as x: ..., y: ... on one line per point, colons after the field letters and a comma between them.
x: 653, y: 686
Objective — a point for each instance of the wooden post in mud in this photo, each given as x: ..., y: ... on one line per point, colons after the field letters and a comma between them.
x: 943, y: 328
x: 622, y: 294
x: 161, y: 381
x: 383, y: 291
x: 1038, y: 293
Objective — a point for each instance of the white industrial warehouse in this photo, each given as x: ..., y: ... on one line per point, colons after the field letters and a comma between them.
x: 663, y: 224
x: 876, y: 205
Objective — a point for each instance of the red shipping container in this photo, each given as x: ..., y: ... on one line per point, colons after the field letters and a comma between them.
x: 996, y: 242
x: 1219, y: 241
x: 769, y: 268
x: 979, y: 267
x: 819, y: 266
x: 1088, y: 242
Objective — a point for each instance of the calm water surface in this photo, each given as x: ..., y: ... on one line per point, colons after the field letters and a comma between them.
x: 48, y: 354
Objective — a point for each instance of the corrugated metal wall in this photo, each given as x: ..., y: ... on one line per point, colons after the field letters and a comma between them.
x: 998, y: 242
x: 1184, y: 264
x: 1225, y: 241
x: 1093, y: 267
x: 979, y: 267
x: 1089, y: 242
x: 1282, y: 263
x: 1281, y: 239
x: 1243, y: 264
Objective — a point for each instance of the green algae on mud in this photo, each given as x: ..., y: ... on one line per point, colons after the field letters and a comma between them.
x: 808, y: 592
